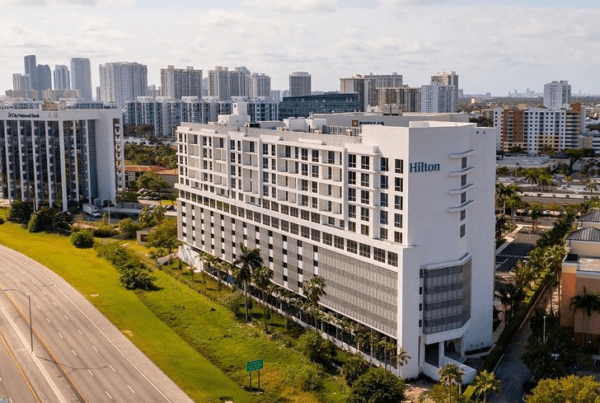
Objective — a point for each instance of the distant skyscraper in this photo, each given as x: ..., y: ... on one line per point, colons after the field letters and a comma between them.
x: 258, y: 85
x: 81, y: 78
x: 177, y: 83
x: 300, y: 84
x: 445, y: 78
x: 439, y: 98
x: 43, y: 77
x: 30, y: 65
x: 121, y: 82
x: 224, y: 83
x: 62, y: 80
x: 21, y: 82
x: 366, y: 86
x: 557, y: 94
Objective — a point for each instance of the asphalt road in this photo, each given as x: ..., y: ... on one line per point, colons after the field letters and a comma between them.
x: 14, y: 383
x: 523, y: 243
x: 95, y: 362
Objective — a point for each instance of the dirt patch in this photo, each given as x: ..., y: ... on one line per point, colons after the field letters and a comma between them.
x: 415, y: 391
x: 128, y: 333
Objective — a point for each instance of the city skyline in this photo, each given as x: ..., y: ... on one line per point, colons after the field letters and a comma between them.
x: 494, y: 49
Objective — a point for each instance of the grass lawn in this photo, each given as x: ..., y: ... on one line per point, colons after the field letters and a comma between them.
x: 89, y: 274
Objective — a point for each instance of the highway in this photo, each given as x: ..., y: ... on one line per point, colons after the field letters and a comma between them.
x: 86, y: 358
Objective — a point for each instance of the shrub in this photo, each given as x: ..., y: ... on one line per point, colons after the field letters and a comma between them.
x: 1, y: 220
x: 20, y: 211
x: 315, y: 347
x: 136, y: 276
x: 128, y: 227
x: 82, y: 239
x: 104, y: 231
x: 155, y: 253
x: 234, y: 302
x: 354, y: 368
x: 377, y: 385
x: 307, y: 379
x: 36, y: 223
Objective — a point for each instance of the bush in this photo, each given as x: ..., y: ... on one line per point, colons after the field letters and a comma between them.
x: 136, y: 276
x: 1, y: 220
x: 82, y: 239
x: 20, y: 211
x: 315, y: 347
x: 234, y: 302
x: 36, y: 223
x: 307, y: 379
x: 155, y: 253
x: 354, y: 368
x: 128, y: 227
x: 104, y: 231
x: 377, y: 385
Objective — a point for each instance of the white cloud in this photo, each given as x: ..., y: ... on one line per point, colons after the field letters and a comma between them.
x: 38, y: 3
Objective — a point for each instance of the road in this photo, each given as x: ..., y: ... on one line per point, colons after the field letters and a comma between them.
x: 518, y: 249
x: 87, y: 359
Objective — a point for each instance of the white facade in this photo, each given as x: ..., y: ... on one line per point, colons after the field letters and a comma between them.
x: 437, y: 98
x: 122, y: 82
x: 258, y: 85
x: 300, y: 84
x: 178, y: 83
x: 62, y: 80
x: 399, y: 221
x: 81, y: 78
x: 61, y: 157
x: 557, y: 94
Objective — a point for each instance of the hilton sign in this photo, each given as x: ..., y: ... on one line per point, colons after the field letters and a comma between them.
x: 423, y: 167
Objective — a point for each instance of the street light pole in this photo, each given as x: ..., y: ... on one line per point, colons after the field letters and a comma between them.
x: 544, y: 334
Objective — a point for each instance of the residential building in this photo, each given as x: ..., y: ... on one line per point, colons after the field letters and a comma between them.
x: 81, y: 78
x: 300, y: 84
x: 60, y: 155
x: 445, y: 78
x: 178, y: 83
x: 62, y: 80
x: 408, y: 99
x: 398, y: 221
x: 557, y: 94
x: 219, y: 84
x: 366, y: 86
x: 439, y: 98
x: 122, y: 82
x: 57, y: 95
x: 30, y: 70
x: 540, y: 129
x: 22, y: 82
x: 304, y: 106
x: 258, y: 86
x: 581, y: 273
x: 43, y: 77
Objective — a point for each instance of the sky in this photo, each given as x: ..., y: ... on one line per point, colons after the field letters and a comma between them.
x: 494, y: 46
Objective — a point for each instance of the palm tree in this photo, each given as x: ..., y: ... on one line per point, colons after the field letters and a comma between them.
x: 314, y: 289
x: 535, y: 212
x: 261, y: 277
x: 485, y: 383
x: 514, y: 202
x: 159, y: 213
x: 449, y: 375
x: 591, y: 185
x: 244, y: 266
x: 587, y: 303
x: 545, y: 179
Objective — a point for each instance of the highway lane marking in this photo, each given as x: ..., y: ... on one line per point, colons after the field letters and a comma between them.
x: 108, y: 394
x: 66, y: 317
x: 37, y: 306
x: 54, y: 304
x: 111, y: 367
x: 90, y: 372
x: 33, y: 281
x: 80, y: 332
x: 132, y: 391
x: 44, y: 292
x: 94, y: 347
x: 74, y: 352
x: 48, y: 320
x: 61, y: 336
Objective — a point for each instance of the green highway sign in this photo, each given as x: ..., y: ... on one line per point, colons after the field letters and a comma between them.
x: 254, y: 365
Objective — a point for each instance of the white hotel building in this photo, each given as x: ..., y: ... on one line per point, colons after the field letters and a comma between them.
x: 399, y: 221
x: 61, y: 157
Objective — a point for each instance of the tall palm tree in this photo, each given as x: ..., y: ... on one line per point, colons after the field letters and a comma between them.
x: 450, y: 374
x: 535, y: 212
x: 545, y: 180
x: 514, y: 202
x: 314, y: 289
x: 261, y: 277
x: 485, y: 383
x: 586, y: 303
x: 244, y: 266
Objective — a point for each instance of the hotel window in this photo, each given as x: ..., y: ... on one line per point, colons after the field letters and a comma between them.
x: 315, y: 187
x: 305, y: 169
x: 463, y: 162
x: 304, y: 154
x: 364, y: 162
x: 399, y: 166
x: 351, y: 211
x: 327, y: 239
x: 463, y: 180
x: 398, y: 237
x: 265, y: 163
x: 398, y: 202
x: 383, y: 217
x: 265, y: 191
x: 398, y: 220
x: 351, y: 226
x: 339, y: 242
x: 265, y: 149
x: 364, y: 214
x: 351, y: 178
x: 463, y: 214
x: 351, y: 194
x: 314, y: 202
x: 399, y: 185
x: 364, y: 196
x: 463, y: 197
x: 273, y: 179
x: 383, y: 200
x: 315, y: 155
x: 384, y: 164
x: 315, y: 171
x: 304, y: 185
x: 288, y: 152
x: 379, y: 255
x: 273, y: 150
x: 383, y: 233
x: 273, y: 164
x: 463, y: 230
x: 232, y: 144
x: 364, y: 230
x: 351, y: 161
x: 304, y: 200
x: 330, y: 157
x: 364, y: 180
x: 383, y: 182
x: 365, y: 250
x: 351, y: 246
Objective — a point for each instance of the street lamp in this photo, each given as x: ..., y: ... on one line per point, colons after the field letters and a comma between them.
x: 544, y: 334
x: 29, y: 299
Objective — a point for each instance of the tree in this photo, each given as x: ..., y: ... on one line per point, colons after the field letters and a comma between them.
x: 485, y: 383
x: 545, y: 180
x: 586, y: 303
x: 514, y: 202
x: 244, y: 266
x: 82, y: 239
x: 591, y: 185
x: 377, y: 386
x: 164, y: 236
x: 159, y: 213
x: 20, y: 211
x: 535, y: 212
x: 450, y: 374
x: 572, y: 389
x: 145, y: 217
x: 261, y: 277
x: 315, y: 347
x: 445, y: 394
x: 354, y: 368
x: 314, y: 289
x: 128, y: 227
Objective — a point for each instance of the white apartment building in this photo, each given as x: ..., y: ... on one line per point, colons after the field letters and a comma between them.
x: 438, y: 98
x: 258, y: 85
x: 366, y: 86
x: 58, y: 156
x: 445, y: 78
x: 399, y: 221
x: 539, y: 129
x: 557, y: 94
x: 122, y: 82
x: 178, y: 83
x: 300, y: 84
x: 62, y: 80
x: 81, y: 78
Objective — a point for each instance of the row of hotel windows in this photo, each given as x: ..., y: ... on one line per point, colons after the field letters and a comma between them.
x: 306, y: 232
